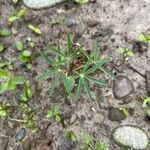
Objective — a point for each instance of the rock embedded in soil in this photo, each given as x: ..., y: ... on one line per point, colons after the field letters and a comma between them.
x: 130, y: 136
x: 41, y: 4
x: 3, y: 143
x: 116, y: 115
x: 122, y: 87
x: 147, y: 73
x: 20, y: 135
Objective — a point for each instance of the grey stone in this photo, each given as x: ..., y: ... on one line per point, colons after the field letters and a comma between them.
x: 130, y: 136
x: 116, y: 115
x: 3, y: 143
x: 122, y: 87
x: 147, y: 73
x: 73, y: 118
x: 40, y: 4
x: 20, y: 135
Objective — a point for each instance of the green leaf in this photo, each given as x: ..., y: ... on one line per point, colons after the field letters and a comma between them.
x: 19, y: 45
x: 57, y: 51
x: 142, y: 38
x: 146, y: 101
x: 5, y: 32
x: 130, y: 53
x: 3, y: 73
x: 13, y: 19
x: 1, y: 48
x: 78, y: 93
x: 57, y: 118
x: 35, y: 29
x: 82, y: 1
x: 121, y: 50
x: 53, y: 85
x: 3, y: 87
x: 86, y: 138
x: 49, y: 114
x: 86, y: 88
x: 99, y: 82
x: 3, y: 113
x: 21, y: 13
x: 112, y: 76
x: 18, y: 80
x: 26, y: 53
x: 69, y: 43
x: 15, y: 1
x: 46, y: 74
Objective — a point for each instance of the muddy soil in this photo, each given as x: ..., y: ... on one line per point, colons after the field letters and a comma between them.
x: 114, y: 24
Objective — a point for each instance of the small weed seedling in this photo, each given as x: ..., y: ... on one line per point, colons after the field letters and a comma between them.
x: 17, y: 15
x: 145, y: 103
x: 125, y: 110
x: 71, y: 135
x: 1, y: 48
x: 144, y: 38
x: 89, y: 144
x: 4, y: 109
x: 5, y: 32
x: 73, y: 66
x: 125, y: 52
x: 35, y: 29
x: 10, y: 83
x: 7, y: 64
x: 55, y: 114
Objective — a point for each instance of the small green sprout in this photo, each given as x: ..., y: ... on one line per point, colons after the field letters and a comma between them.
x: 5, y: 32
x: 146, y: 101
x: 58, y: 20
x: 55, y: 114
x: 10, y: 83
x: 35, y: 29
x: 4, y: 109
x: 25, y: 56
x: 7, y: 64
x: 17, y: 16
x: 1, y: 48
x: 144, y: 38
x: 19, y: 45
x: 82, y: 1
x: 71, y: 135
x: 27, y: 92
x: 15, y: 1
x: 125, y: 110
x: 125, y: 52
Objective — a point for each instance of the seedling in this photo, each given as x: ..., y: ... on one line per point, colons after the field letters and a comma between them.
x: 146, y: 102
x: 126, y: 53
x: 10, y: 83
x: 19, y: 45
x: 1, y: 48
x: 55, y: 114
x: 73, y: 65
x: 144, y: 38
x: 58, y: 20
x: 7, y: 64
x: 17, y: 16
x: 81, y: 1
x: 4, y: 109
x: 15, y: 1
x: 89, y: 144
x: 5, y: 32
x: 125, y: 110
x: 71, y: 135
x: 27, y: 92
x: 35, y: 29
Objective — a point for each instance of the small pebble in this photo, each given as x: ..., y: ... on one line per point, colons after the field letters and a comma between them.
x: 20, y: 135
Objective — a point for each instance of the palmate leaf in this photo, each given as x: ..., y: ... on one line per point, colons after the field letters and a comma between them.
x: 57, y: 51
x: 45, y: 75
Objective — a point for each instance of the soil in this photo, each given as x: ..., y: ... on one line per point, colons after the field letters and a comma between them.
x: 113, y: 23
